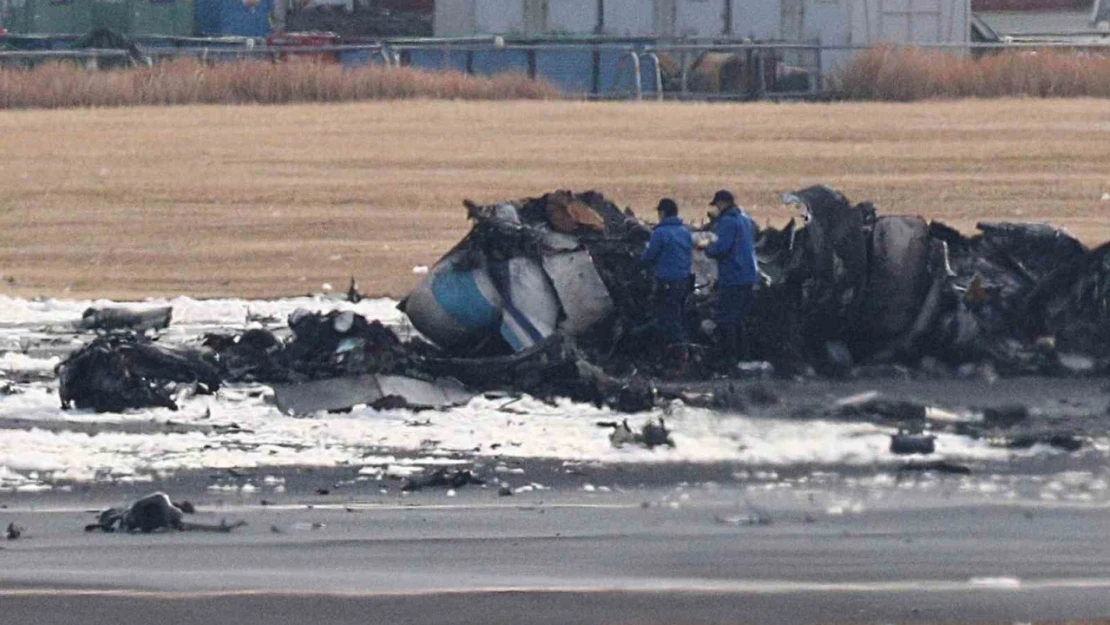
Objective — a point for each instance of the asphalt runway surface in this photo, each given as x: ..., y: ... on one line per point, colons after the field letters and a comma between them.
x: 852, y: 552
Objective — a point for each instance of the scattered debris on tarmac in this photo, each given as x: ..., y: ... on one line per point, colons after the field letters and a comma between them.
x: 156, y: 513
x: 108, y: 319
x: 653, y: 434
x: 903, y: 444
x: 120, y: 371
x: 442, y: 478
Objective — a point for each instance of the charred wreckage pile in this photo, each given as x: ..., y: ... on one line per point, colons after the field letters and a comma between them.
x: 546, y: 296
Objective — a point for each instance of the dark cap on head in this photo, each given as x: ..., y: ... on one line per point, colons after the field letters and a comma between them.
x: 668, y: 207
x: 723, y: 196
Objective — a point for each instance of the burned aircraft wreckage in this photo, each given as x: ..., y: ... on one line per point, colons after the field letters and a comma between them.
x: 546, y: 296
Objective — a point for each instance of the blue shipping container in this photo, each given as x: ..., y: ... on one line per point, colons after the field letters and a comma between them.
x: 489, y: 62
x: 436, y: 59
x: 240, y: 18
x: 357, y: 58
x: 571, y: 71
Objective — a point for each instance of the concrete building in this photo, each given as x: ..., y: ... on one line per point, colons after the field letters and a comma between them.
x: 844, y: 23
x: 1043, y: 17
x: 830, y: 22
x: 1030, y: 17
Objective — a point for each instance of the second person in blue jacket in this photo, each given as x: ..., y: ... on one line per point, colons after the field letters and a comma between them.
x: 668, y: 255
x: 737, y: 274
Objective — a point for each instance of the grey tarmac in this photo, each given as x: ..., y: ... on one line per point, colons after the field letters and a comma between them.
x: 847, y: 552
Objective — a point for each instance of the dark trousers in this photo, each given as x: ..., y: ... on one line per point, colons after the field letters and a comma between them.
x: 670, y: 309
x: 733, y: 303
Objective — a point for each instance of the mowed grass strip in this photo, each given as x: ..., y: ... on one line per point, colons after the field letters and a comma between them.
x: 260, y: 201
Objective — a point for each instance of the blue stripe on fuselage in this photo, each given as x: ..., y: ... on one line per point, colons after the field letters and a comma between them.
x: 458, y: 293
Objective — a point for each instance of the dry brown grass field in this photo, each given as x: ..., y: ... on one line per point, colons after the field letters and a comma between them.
x: 184, y: 81
x: 893, y: 74
x: 267, y: 201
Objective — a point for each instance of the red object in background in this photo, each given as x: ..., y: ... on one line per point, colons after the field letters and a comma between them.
x: 3, y: 32
x: 414, y: 6
x: 286, y: 45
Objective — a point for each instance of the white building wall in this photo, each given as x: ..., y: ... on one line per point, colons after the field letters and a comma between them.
x: 871, y: 22
x: 629, y: 18
x: 498, y: 16
x: 454, y: 18
x: 572, y: 16
x: 700, y: 18
x: 665, y: 18
x: 911, y: 22
x: 831, y: 22
x: 826, y: 21
x: 757, y: 19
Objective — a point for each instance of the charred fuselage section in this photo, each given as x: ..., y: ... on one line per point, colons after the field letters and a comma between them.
x: 547, y: 296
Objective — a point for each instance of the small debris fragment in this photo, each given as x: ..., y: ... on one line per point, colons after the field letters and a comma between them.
x: 656, y: 434
x: 938, y: 466
x: 443, y: 478
x: 636, y: 396
x: 153, y: 513
x: 651, y: 435
x: 753, y: 518
x: 121, y: 371
x: 906, y: 444
x: 14, y: 531
x: 871, y: 406
x: 353, y: 294
x: 1076, y: 364
x: 125, y: 319
x: 761, y: 395
x: 621, y: 435
x: 838, y: 360
x: 1005, y: 416
x: 1061, y: 441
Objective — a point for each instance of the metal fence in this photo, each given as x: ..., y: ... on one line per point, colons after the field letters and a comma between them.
x: 639, y: 70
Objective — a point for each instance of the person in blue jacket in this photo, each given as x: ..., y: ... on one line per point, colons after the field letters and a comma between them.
x: 668, y: 255
x: 737, y: 273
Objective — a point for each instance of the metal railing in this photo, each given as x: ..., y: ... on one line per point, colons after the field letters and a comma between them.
x: 634, y: 69
x: 32, y: 55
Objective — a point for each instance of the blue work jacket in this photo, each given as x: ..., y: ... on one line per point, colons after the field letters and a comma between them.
x: 734, y: 249
x: 669, y: 249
